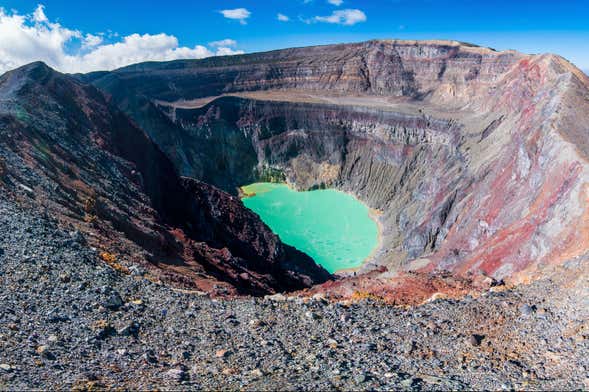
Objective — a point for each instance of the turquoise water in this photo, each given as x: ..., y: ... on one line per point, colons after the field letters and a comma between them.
x: 332, y: 227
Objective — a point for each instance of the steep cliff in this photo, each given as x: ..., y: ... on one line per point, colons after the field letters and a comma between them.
x: 476, y: 158
x: 66, y: 150
x: 437, y: 70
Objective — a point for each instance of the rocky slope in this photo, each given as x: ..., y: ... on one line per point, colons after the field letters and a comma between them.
x: 68, y: 151
x: 69, y: 321
x: 477, y: 159
x: 128, y: 261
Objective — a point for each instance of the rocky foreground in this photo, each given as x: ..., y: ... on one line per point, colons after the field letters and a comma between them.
x: 128, y: 262
x: 68, y: 320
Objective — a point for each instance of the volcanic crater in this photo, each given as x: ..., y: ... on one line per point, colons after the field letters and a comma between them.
x: 129, y: 261
x: 475, y: 159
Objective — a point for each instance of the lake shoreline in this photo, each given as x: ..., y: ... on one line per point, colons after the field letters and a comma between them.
x: 254, y: 189
x: 374, y: 214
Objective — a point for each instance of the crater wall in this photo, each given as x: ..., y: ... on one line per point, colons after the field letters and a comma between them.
x: 67, y: 151
x: 471, y: 154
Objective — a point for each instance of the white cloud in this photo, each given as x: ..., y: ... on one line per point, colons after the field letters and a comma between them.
x: 28, y: 38
x: 337, y: 3
x: 347, y: 17
x: 240, y: 14
x: 91, y: 41
x: 228, y: 42
x: 282, y: 17
x: 225, y: 51
x: 135, y: 48
x: 39, y: 14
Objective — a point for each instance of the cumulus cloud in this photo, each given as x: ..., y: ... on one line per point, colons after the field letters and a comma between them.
x: 28, y: 38
x: 240, y: 14
x: 227, y: 42
x: 39, y: 14
x: 337, y: 3
x: 91, y: 41
x: 347, y: 17
x: 135, y: 48
x: 282, y: 17
x: 224, y: 51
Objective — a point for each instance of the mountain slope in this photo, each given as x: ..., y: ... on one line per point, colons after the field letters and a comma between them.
x: 82, y: 160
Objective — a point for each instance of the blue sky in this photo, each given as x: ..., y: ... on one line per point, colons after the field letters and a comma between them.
x: 529, y: 26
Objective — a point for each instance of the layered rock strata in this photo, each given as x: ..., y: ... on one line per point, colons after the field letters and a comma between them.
x: 477, y: 159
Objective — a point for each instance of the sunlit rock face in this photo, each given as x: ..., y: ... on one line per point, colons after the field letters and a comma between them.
x: 438, y: 70
x: 476, y: 158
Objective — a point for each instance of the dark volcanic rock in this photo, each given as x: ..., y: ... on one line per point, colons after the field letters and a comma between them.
x: 113, y: 301
x: 195, y: 347
x: 476, y: 339
x: 91, y: 167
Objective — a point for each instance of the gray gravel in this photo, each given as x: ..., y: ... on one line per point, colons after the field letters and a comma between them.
x: 67, y: 320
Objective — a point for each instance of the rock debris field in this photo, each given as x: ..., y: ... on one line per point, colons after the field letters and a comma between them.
x: 67, y: 320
